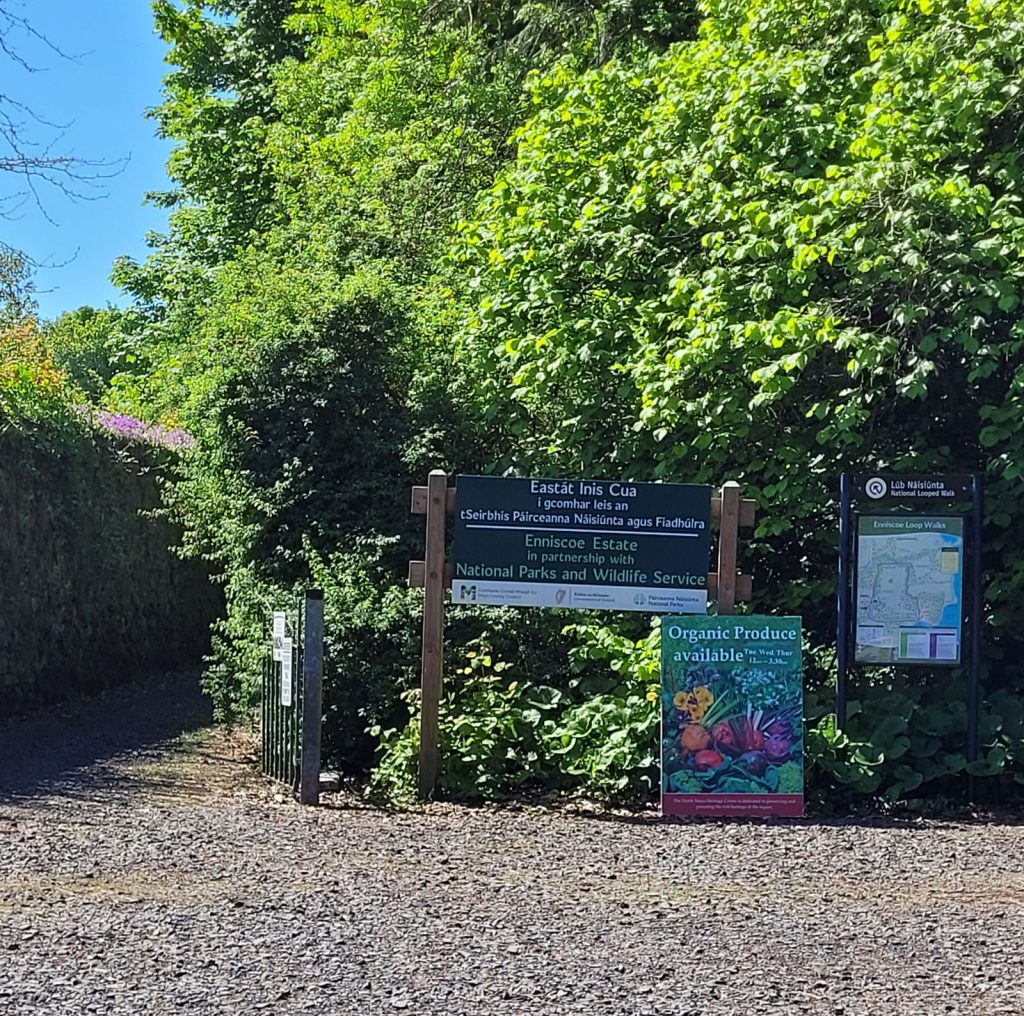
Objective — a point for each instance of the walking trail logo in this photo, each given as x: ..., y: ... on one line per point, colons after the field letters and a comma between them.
x: 876, y: 487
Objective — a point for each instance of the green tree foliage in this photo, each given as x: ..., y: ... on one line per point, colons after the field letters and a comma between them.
x: 87, y: 344
x: 392, y: 111
x: 219, y: 106
x: 298, y: 316
x: 781, y: 250
x: 782, y: 247
x: 788, y: 248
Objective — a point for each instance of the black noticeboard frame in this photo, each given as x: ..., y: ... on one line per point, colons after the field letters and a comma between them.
x: 906, y: 496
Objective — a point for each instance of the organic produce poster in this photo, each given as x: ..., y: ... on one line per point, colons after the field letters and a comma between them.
x: 732, y: 699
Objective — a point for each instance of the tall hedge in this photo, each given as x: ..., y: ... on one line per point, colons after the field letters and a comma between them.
x: 91, y: 592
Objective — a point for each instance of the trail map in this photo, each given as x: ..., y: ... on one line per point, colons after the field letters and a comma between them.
x: 909, y: 589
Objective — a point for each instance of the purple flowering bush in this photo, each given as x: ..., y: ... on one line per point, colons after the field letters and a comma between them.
x: 122, y: 425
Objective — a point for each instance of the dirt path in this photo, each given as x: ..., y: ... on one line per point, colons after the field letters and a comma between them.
x: 145, y: 869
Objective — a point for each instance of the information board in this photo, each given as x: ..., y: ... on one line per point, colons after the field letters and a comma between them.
x: 908, y: 596
x: 732, y: 716
x: 581, y: 543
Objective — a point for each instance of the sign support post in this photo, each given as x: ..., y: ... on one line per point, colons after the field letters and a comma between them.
x: 728, y: 540
x: 842, y: 618
x: 433, y: 631
x: 312, y: 696
x: 974, y: 673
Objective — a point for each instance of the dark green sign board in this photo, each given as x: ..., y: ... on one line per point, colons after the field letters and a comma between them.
x: 595, y: 544
x: 916, y: 490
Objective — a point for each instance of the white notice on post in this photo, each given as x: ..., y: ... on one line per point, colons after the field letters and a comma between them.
x: 279, y: 632
x: 286, y: 672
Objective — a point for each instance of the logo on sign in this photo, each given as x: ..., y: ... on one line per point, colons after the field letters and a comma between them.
x: 876, y: 487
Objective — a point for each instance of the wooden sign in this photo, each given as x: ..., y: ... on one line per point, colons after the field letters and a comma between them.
x: 434, y: 575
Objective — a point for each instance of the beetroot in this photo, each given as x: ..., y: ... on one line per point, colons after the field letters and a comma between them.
x: 748, y: 738
x: 755, y: 762
x: 725, y: 737
x: 707, y: 759
x: 777, y: 747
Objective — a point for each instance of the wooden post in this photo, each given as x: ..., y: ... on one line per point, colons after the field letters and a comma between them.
x: 312, y: 696
x: 728, y: 538
x: 433, y: 631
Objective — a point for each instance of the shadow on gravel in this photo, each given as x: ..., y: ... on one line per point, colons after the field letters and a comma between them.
x: 911, y: 822
x: 72, y: 750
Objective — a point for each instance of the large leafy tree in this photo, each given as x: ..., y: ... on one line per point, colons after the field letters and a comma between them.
x: 785, y: 249
x: 789, y: 248
x: 218, y: 106
x: 299, y: 312
x: 371, y: 117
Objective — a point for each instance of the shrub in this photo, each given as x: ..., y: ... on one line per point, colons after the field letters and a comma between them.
x: 33, y: 389
x: 592, y: 733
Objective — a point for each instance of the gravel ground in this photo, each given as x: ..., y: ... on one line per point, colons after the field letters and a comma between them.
x: 145, y: 869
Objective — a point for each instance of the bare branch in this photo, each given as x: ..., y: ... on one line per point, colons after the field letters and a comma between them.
x: 35, y: 165
x: 9, y: 22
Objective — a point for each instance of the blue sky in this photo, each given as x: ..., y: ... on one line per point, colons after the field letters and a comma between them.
x: 99, y: 99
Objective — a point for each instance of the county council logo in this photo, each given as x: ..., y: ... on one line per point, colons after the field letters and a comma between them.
x: 876, y: 487
x: 467, y: 593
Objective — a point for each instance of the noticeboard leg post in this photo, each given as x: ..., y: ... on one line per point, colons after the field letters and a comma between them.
x: 433, y: 632
x: 312, y: 696
x: 974, y: 670
x: 728, y: 541
x: 843, y: 600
